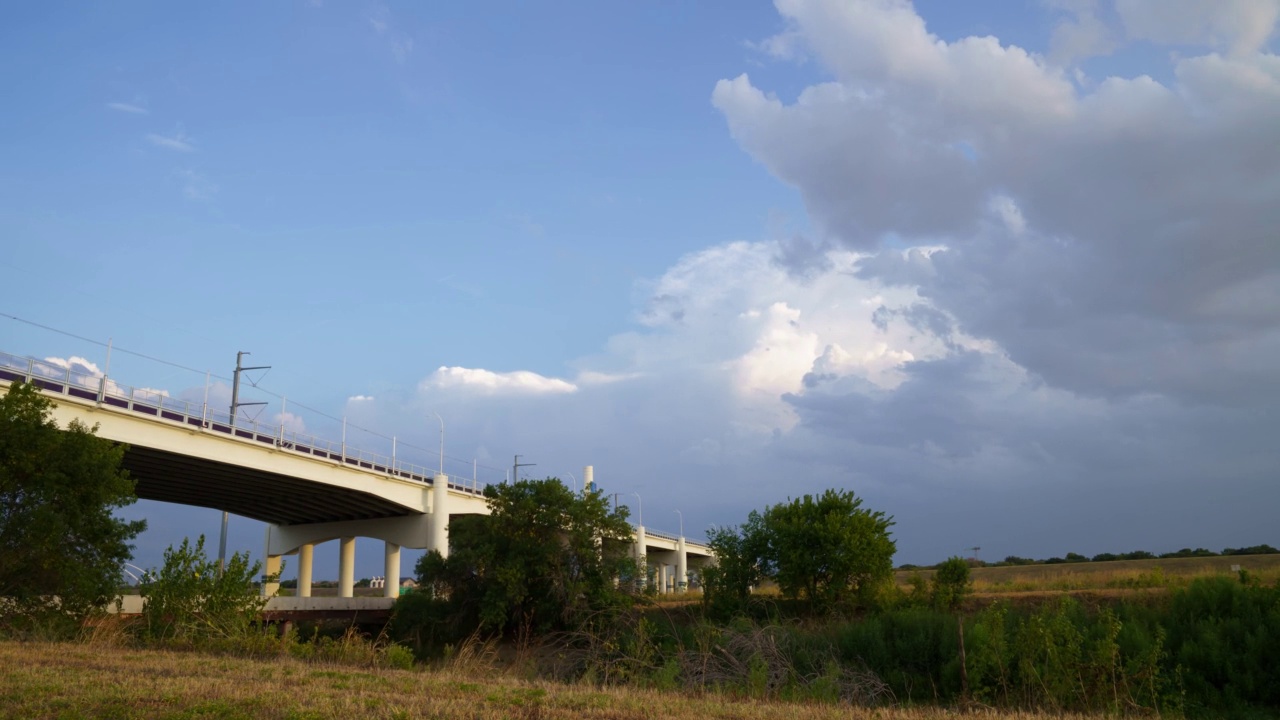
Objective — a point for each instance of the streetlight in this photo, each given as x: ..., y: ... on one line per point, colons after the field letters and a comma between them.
x: 681, y: 522
x: 639, y: 509
x: 441, y: 440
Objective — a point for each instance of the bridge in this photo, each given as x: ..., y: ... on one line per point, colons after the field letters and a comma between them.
x: 306, y: 489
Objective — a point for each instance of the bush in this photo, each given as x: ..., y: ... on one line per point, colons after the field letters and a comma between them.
x: 1225, y: 636
x: 825, y: 551
x: 543, y: 561
x: 726, y: 585
x: 189, y: 600
x: 951, y: 584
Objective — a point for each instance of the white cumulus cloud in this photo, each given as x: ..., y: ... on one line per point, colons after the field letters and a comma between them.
x: 519, y: 382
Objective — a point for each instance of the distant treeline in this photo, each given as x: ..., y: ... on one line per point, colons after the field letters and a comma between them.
x: 1108, y: 557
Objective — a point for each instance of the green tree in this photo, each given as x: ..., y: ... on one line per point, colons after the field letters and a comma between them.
x: 544, y: 559
x: 828, y: 549
x: 726, y: 584
x: 58, y: 536
x: 951, y: 583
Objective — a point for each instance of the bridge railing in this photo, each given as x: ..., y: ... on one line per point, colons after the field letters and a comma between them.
x: 661, y: 535
x: 74, y: 381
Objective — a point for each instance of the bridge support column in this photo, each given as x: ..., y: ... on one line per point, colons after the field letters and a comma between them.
x: 660, y: 576
x: 270, y: 566
x: 347, y: 567
x: 306, y: 556
x: 642, y: 569
x: 440, y: 515
x: 271, y: 587
x: 682, y: 566
x: 392, y: 570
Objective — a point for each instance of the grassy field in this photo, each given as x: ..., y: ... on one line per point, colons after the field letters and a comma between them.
x: 1109, y: 577
x: 60, y: 680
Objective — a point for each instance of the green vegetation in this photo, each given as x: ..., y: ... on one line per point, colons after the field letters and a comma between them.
x: 188, y: 599
x: 951, y: 584
x: 878, y: 645
x: 544, y: 560
x: 726, y: 585
x: 1207, y: 650
x: 1133, y: 555
x: 61, y: 549
x: 61, y: 680
x: 826, y: 551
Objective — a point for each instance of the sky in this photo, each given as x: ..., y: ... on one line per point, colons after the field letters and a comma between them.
x: 1008, y: 271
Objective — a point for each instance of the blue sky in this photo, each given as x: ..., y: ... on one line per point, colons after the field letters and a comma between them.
x: 980, y: 262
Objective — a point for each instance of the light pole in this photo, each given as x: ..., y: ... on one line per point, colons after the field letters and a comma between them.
x: 681, y: 522
x: 639, y: 509
x: 441, y: 440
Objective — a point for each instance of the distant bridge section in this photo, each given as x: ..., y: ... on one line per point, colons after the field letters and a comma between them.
x: 306, y: 489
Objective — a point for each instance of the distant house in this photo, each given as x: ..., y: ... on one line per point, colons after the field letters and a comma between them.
x: 408, y: 582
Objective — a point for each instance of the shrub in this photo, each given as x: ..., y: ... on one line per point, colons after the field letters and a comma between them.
x: 543, y: 561
x: 951, y: 584
x: 826, y: 551
x: 188, y: 599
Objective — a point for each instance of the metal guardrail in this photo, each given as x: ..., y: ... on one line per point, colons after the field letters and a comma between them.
x: 157, y: 404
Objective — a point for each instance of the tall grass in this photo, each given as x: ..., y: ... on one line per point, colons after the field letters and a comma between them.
x: 60, y: 680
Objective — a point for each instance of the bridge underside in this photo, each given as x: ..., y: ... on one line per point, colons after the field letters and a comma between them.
x: 266, y: 496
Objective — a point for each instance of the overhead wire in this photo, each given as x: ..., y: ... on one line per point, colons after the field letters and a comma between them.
x: 114, y: 348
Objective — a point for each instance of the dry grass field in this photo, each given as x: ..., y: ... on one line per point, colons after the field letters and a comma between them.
x: 86, y: 680
x: 1114, y: 577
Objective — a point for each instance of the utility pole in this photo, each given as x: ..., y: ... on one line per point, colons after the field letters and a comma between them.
x: 515, y: 468
x: 235, y: 409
